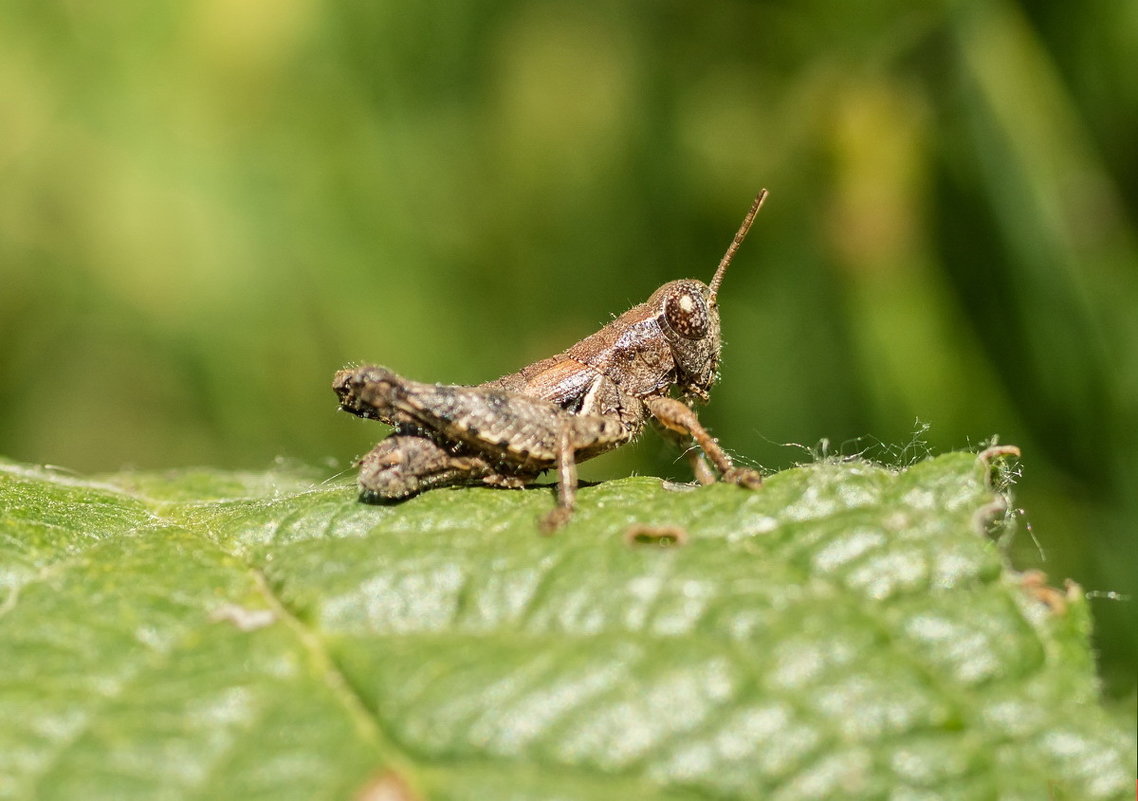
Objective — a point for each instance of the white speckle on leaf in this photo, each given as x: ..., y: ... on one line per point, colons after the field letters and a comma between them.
x: 242, y: 617
x: 967, y: 652
x: 421, y: 600
x: 797, y: 664
x: 886, y: 574
x: 919, y: 498
x: 762, y: 525
x: 847, y: 548
x: 951, y: 569
x: 836, y: 775
x: 1013, y: 718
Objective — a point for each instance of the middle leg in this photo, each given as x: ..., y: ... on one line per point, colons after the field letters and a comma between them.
x: 566, y: 483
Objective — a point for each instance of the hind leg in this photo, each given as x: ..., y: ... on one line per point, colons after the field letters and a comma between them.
x: 490, y: 435
x: 406, y: 464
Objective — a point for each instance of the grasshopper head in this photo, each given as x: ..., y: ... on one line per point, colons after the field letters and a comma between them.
x: 689, y: 317
x: 690, y: 322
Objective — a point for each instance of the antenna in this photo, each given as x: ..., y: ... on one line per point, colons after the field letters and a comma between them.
x: 738, y: 240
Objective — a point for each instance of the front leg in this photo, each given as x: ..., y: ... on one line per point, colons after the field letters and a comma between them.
x: 679, y: 417
x: 686, y: 443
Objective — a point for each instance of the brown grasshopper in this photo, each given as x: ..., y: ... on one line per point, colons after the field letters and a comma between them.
x: 559, y: 411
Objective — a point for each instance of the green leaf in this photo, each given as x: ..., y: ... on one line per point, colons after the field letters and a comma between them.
x: 848, y: 632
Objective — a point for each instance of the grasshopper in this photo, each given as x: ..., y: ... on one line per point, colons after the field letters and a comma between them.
x: 559, y: 411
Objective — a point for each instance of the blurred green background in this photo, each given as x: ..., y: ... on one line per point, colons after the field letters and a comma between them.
x: 206, y: 207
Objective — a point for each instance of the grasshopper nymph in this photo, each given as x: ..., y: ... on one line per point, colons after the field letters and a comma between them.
x: 557, y: 412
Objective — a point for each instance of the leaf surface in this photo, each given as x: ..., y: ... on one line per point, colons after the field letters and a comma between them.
x: 848, y: 631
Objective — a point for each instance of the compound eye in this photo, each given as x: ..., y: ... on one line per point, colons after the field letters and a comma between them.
x: 686, y: 313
